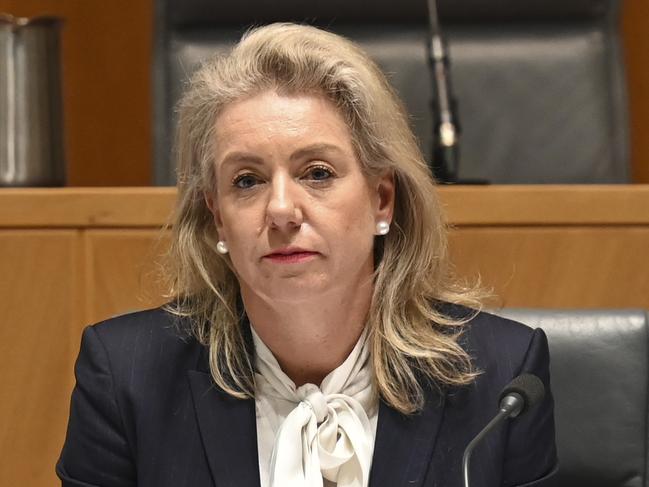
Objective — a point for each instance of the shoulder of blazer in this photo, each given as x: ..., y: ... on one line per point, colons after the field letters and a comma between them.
x: 481, y: 325
x: 149, y: 345
x: 493, y: 342
x: 156, y: 324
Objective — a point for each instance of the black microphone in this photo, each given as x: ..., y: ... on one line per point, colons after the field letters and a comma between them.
x: 518, y: 397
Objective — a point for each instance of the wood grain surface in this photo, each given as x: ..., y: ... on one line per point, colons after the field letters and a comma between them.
x: 635, y: 25
x: 40, y: 329
x: 465, y: 205
x: 122, y: 271
x: 557, y: 267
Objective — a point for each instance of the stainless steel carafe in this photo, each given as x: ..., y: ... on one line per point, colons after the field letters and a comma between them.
x: 31, y: 118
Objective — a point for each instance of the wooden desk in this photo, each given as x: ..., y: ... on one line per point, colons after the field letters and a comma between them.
x: 69, y: 257
x: 554, y: 246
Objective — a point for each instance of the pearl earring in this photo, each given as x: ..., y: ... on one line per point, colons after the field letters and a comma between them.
x: 382, y: 228
x: 221, y: 247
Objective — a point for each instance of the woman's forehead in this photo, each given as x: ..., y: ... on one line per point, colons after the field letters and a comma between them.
x: 297, y: 123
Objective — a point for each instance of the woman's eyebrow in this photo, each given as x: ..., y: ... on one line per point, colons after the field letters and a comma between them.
x: 239, y: 157
x: 315, y: 149
x: 235, y: 157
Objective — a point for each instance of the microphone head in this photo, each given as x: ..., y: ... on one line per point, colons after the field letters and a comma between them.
x: 529, y: 387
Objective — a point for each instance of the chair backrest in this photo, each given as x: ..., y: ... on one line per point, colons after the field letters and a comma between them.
x: 539, y: 83
x: 599, y: 372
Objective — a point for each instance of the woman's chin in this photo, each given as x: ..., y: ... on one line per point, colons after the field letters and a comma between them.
x: 292, y: 289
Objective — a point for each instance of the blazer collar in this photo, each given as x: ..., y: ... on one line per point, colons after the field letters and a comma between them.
x: 228, y: 430
x: 404, y: 445
x: 228, y: 426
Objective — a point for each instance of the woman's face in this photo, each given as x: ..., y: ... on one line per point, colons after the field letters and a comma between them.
x: 291, y: 203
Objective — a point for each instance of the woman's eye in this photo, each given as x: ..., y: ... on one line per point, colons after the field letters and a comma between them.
x: 245, y: 181
x: 319, y: 173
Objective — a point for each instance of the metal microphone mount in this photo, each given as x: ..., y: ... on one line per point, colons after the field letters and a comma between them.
x: 446, y: 129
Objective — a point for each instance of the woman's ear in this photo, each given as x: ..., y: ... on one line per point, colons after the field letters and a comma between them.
x: 385, y: 191
x: 210, y: 201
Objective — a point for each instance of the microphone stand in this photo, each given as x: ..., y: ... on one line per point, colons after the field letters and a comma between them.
x: 510, y: 407
x: 446, y: 126
x: 523, y: 393
x: 446, y: 130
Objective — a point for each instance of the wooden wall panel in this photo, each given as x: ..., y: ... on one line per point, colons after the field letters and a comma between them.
x: 107, y: 54
x: 121, y: 271
x: 635, y: 28
x: 557, y: 267
x: 39, y: 337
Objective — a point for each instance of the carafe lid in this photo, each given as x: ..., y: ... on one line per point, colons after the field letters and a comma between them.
x: 18, y: 22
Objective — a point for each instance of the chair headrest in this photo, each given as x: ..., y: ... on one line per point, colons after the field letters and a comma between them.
x: 244, y: 12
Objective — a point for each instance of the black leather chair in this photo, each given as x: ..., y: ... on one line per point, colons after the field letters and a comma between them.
x: 599, y: 373
x: 540, y: 83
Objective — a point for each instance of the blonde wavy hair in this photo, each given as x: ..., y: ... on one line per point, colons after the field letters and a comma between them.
x: 412, y: 340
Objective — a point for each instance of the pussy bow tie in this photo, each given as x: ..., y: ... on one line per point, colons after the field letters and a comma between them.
x: 328, y: 434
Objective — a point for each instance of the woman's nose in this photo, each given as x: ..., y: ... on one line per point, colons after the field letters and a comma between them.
x: 283, y: 211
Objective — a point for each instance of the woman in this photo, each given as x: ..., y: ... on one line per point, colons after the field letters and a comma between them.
x: 315, y: 336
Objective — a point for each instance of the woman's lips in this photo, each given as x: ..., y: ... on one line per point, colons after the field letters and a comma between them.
x: 291, y: 257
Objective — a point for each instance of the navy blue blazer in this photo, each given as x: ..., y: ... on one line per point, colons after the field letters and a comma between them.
x: 146, y: 412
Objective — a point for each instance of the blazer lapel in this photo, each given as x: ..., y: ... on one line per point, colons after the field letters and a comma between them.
x: 228, y: 430
x: 404, y: 444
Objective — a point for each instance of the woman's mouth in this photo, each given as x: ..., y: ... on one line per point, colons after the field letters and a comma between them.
x: 291, y: 256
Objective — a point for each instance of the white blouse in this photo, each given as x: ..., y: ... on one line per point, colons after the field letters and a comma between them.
x: 313, y: 436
